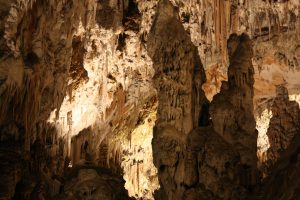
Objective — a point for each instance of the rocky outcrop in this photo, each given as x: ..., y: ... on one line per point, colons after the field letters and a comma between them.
x: 178, y: 70
x: 283, y: 127
x: 233, y: 106
x: 183, y: 152
x: 174, y: 62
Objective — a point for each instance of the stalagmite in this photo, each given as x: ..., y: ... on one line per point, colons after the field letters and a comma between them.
x: 156, y: 99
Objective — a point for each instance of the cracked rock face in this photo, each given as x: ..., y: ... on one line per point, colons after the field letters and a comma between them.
x: 184, y: 99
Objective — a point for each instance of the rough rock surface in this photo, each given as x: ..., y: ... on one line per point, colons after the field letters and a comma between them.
x: 282, y: 182
x: 176, y: 65
x: 176, y: 158
x: 283, y: 127
x: 83, y: 80
x: 91, y: 182
x: 233, y: 106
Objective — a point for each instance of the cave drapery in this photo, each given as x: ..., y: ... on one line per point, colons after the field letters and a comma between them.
x: 156, y: 99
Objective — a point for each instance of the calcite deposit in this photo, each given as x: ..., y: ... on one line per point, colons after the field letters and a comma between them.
x: 156, y: 99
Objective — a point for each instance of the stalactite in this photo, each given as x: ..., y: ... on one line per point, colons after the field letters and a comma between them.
x: 269, y: 24
x: 138, y: 177
x: 214, y: 19
x: 130, y: 139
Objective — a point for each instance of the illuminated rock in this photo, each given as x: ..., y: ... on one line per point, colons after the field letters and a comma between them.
x: 80, y: 80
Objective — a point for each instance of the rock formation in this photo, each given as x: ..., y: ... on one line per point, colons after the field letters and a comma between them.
x: 283, y: 127
x: 93, y: 183
x: 184, y: 99
x: 233, y: 106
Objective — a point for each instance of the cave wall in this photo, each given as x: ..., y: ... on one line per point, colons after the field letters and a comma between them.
x: 63, y: 83
x: 35, y: 59
x: 71, y: 66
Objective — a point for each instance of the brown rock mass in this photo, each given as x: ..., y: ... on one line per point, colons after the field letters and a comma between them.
x: 156, y: 99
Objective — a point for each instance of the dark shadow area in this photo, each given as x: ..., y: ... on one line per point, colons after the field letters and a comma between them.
x: 31, y: 59
x: 132, y: 17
